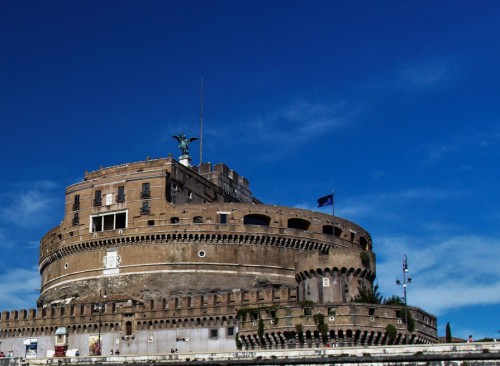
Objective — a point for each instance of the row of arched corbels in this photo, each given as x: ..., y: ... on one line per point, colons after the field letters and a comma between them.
x: 322, y: 272
x: 245, y: 239
x: 334, y: 338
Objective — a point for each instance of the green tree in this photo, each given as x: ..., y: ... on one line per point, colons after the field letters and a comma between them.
x: 391, y: 333
x: 394, y: 300
x: 368, y: 295
x: 448, y: 333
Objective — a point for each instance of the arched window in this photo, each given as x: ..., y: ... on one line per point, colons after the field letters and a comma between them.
x: 299, y: 224
x: 338, y: 232
x: 255, y: 219
x: 363, y: 242
x: 328, y: 229
x: 128, y: 328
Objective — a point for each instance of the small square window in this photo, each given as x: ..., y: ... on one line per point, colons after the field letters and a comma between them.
x: 307, y: 311
x: 371, y: 311
x: 230, y: 331
x: 214, y: 333
x: 151, y: 222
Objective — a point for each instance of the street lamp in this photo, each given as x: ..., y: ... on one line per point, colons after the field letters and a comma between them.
x: 404, y: 283
x: 99, y: 307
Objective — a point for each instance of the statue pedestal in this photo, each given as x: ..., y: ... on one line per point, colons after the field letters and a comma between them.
x: 185, y: 160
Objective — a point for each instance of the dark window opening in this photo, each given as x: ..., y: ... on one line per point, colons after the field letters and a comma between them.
x: 97, y: 198
x: 151, y: 222
x: 338, y: 232
x: 128, y: 328
x: 76, y: 203
x: 363, y: 242
x: 145, y: 209
x: 223, y: 218
x: 353, y: 234
x: 146, y: 190
x: 120, y: 197
x: 230, y: 331
x: 120, y: 220
x: 371, y: 311
x: 109, y: 222
x: 214, y: 333
x: 174, y: 220
x: 260, y: 220
x: 307, y: 311
x: 76, y: 219
x: 328, y: 229
x: 299, y: 224
x: 198, y: 220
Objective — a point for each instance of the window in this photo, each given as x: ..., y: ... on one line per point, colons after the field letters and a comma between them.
x: 174, y: 220
x: 230, y: 331
x: 112, y: 221
x: 371, y: 311
x: 328, y: 229
x: 76, y: 219
x: 76, y: 203
x: 299, y: 224
x: 260, y: 220
x: 145, y: 209
x: 189, y: 194
x: 307, y: 311
x: 151, y: 222
x: 146, y: 191
x: 214, y: 333
x: 97, y: 198
x: 198, y: 220
x: 120, y: 197
x: 223, y: 218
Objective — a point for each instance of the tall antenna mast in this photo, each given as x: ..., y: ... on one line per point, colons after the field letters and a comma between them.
x: 201, y: 122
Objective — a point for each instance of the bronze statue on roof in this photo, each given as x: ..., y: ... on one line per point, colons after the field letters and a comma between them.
x: 184, y: 142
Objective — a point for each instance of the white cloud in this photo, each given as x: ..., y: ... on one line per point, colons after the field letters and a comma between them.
x: 26, y: 205
x: 448, y: 273
x: 20, y: 288
x: 425, y: 75
x: 386, y: 205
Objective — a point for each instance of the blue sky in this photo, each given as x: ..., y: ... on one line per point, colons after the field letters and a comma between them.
x: 394, y: 104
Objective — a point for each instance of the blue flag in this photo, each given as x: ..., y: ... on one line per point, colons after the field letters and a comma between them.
x: 326, y: 201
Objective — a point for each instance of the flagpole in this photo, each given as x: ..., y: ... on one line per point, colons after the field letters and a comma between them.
x: 333, y: 203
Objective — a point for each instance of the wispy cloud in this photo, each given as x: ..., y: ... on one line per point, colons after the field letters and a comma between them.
x: 420, y: 76
x: 387, y: 204
x: 471, y: 142
x: 301, y: 121
x: 291, y: 126
x: 448, y: 273
x: 20, y: 288
x: 25, y: 205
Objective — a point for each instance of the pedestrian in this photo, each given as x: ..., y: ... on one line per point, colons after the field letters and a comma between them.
x: 470, y: 340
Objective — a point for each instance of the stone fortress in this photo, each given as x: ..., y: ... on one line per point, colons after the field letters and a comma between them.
x: 159, y: 255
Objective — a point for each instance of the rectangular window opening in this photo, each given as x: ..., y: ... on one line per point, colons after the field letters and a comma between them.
x: 112, y: 221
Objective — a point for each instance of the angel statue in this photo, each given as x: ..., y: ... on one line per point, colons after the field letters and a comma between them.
x: 184, y: 142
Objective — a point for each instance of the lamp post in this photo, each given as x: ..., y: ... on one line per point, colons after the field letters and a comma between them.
x: 404, y: 283
x: 99, y: 307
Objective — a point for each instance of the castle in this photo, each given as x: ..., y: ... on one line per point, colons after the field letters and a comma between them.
x: 158, y: 255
